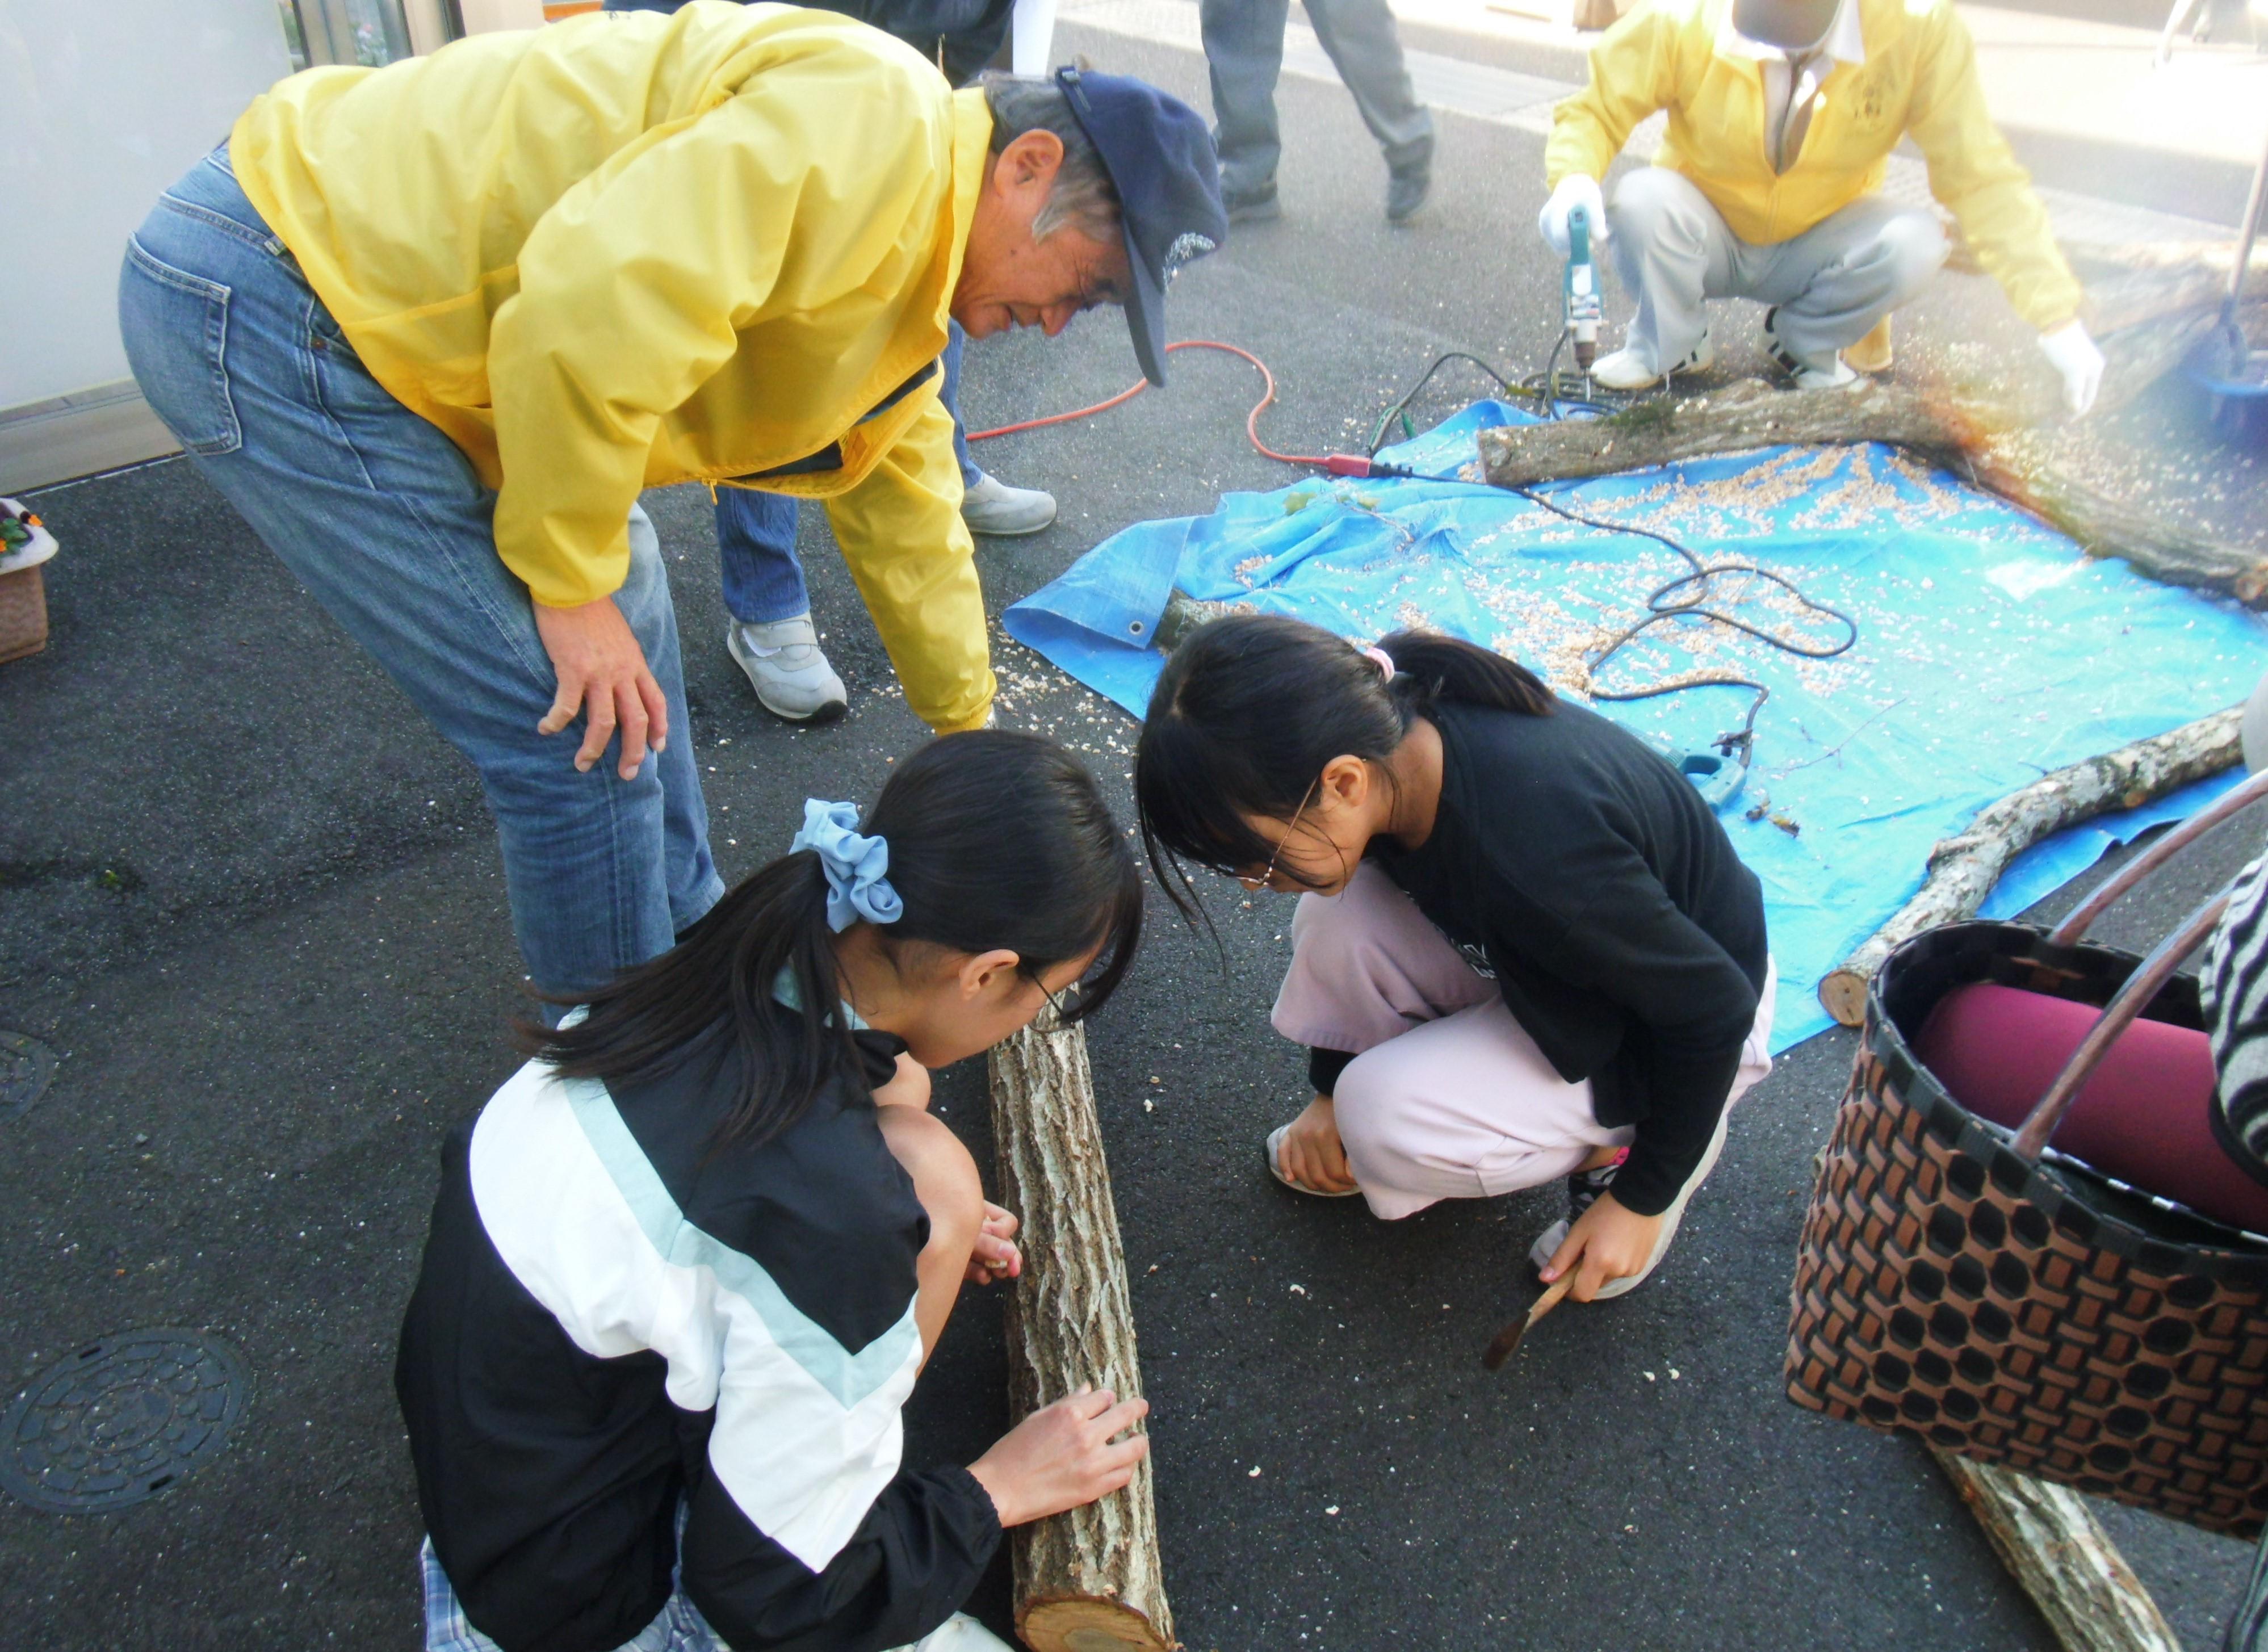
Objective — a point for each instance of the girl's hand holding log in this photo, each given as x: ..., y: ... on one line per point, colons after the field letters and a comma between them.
x: 1063, y: 1456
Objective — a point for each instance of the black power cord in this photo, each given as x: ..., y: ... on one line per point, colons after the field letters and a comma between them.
x: 1687, y: 597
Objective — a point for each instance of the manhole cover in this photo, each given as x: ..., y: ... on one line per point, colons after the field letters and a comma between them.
x: 27, y: 1068
x: 121, y: 1419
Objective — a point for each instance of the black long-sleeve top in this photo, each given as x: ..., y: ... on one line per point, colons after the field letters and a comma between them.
x: 1626, y: 937
x: 615, y: 1313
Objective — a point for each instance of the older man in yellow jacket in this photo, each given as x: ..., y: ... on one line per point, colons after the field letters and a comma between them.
x: 1782, y: 117
x: 431, y: 327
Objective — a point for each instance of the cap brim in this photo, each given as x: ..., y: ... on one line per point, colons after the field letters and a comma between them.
x: 1146, y: 314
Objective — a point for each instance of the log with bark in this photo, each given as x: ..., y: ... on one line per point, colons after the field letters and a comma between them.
x: 1962, y: 869
x: 2047, y: 1536
x: 1987, y: 440
x: 1088, y: 1581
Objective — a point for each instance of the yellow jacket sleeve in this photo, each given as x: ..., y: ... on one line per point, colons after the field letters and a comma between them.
x: 1973, y: 171
x: 1633, y: 74
x: 901, y: 533
x: 632, y: 287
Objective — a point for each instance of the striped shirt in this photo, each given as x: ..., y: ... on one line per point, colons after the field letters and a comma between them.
x: 2235, y: 984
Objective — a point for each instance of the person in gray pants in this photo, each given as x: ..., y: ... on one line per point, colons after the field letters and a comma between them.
x: 1244, y: 49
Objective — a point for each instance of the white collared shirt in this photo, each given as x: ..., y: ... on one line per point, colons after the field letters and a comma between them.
x: 1792, y: 82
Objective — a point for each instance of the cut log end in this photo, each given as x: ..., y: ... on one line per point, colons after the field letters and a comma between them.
x: 1087, y: 1624
x: 1843, y: 993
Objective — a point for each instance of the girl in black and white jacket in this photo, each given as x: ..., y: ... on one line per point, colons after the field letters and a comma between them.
x: 687, y: 1264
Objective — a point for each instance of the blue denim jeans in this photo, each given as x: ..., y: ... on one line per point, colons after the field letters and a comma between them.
x: 381, y: 516
x: 756, y: 532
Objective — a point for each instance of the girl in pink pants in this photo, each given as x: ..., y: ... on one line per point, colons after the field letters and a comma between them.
x: 1525, y: 948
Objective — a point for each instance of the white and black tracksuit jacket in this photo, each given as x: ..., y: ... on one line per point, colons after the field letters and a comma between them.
x: 615, y: 1313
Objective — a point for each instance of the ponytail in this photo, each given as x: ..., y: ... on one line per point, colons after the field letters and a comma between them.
x: 712, y: 996
x: 1251, y: 707
x: 996, y: 840
x: 1430, y: 668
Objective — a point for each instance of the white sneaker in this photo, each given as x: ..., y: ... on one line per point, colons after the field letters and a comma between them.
x: 1838, y: 375
x: 789, y: 673
x: 1548, y: 1243
x: 991, y: 507
x: 1626, y: 370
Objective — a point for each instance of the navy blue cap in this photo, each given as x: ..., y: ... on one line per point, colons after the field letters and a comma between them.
x: 1161, y: 162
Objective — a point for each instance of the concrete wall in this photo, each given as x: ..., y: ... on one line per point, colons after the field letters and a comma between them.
x: 103, y: 103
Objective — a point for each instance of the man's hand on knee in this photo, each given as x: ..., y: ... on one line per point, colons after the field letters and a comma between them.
x: 603, y: 673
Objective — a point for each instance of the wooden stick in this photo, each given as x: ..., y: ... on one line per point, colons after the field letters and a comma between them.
x: 1963, y: 869
x: 2047, y: 1536
x: 1088, y: 1581
x: 1507, y: 1341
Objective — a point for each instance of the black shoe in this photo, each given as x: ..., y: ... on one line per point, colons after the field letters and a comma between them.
x: 1252, y: 206
x: 1583, y: 1190
x: 1406, y: 188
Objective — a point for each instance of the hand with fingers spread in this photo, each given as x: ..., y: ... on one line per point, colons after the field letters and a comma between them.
x: 1607, y: 1242
x: 1064, y: 1456
x: 996, y: 1255
x: 603, y: 673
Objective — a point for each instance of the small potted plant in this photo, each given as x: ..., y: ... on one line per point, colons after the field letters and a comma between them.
x: 23, y: 545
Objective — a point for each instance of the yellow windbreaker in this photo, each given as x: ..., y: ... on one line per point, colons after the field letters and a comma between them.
x: 633, y: 249
x: 1919, y: 77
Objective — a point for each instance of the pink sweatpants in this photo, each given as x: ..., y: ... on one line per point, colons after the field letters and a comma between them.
x: 1447, y: 1096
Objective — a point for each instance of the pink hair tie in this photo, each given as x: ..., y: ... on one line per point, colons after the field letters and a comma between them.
x: 1383, y: 660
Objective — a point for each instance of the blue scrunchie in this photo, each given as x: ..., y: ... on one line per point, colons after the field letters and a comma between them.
x: 856, y: 885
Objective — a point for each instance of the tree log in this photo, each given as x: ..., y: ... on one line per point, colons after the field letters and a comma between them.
x: 1984, y: 439
x: 1962, y: 870
x: 2050, y: 1538
x: 1088, y: 1581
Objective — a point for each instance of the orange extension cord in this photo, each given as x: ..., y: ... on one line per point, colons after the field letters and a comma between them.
x: 1337, y: 464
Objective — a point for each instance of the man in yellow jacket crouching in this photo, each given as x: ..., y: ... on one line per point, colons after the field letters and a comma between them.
x: 1782, y: 117
x: 431, y: 327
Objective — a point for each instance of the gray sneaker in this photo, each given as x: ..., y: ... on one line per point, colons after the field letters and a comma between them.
x: 991, y: 507
x: 790, y: 674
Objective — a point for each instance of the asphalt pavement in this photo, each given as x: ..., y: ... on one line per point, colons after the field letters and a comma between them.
x: 254, y: 906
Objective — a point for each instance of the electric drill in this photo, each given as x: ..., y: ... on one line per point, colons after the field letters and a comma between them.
x: 1582, y: 292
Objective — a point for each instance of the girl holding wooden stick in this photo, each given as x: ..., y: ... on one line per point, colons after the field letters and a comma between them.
x: 1524, y: 948
x: 686, y: 1266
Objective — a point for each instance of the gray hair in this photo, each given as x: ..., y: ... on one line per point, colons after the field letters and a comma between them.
x: 1083, y: 196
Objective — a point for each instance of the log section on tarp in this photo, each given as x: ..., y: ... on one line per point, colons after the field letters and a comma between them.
x: 1985, y: 441
x: 1962, y: 869
x: 2046, y: 1535
x: 1088, y: 1581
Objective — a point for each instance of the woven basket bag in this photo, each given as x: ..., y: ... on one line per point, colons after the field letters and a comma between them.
x: 1952, y: 1284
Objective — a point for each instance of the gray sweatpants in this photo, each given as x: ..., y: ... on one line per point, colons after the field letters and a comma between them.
x: 1244, y: 49
x: 1832, y: 283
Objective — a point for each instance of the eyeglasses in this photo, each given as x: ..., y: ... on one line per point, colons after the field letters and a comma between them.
x: 1268, y: 874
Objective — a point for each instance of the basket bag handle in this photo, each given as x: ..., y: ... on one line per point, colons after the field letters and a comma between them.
x: 2150, y: 975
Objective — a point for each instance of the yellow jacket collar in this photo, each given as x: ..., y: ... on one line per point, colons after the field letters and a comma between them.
x: 972, y: 153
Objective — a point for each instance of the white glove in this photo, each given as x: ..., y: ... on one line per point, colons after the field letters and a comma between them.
x: 1574, y: 190
x: 2075, y: 357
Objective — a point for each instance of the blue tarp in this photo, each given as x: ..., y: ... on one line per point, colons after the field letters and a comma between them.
x: 1990, y: 649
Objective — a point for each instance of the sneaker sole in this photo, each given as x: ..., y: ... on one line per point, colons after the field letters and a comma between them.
x: 1009, y: 533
